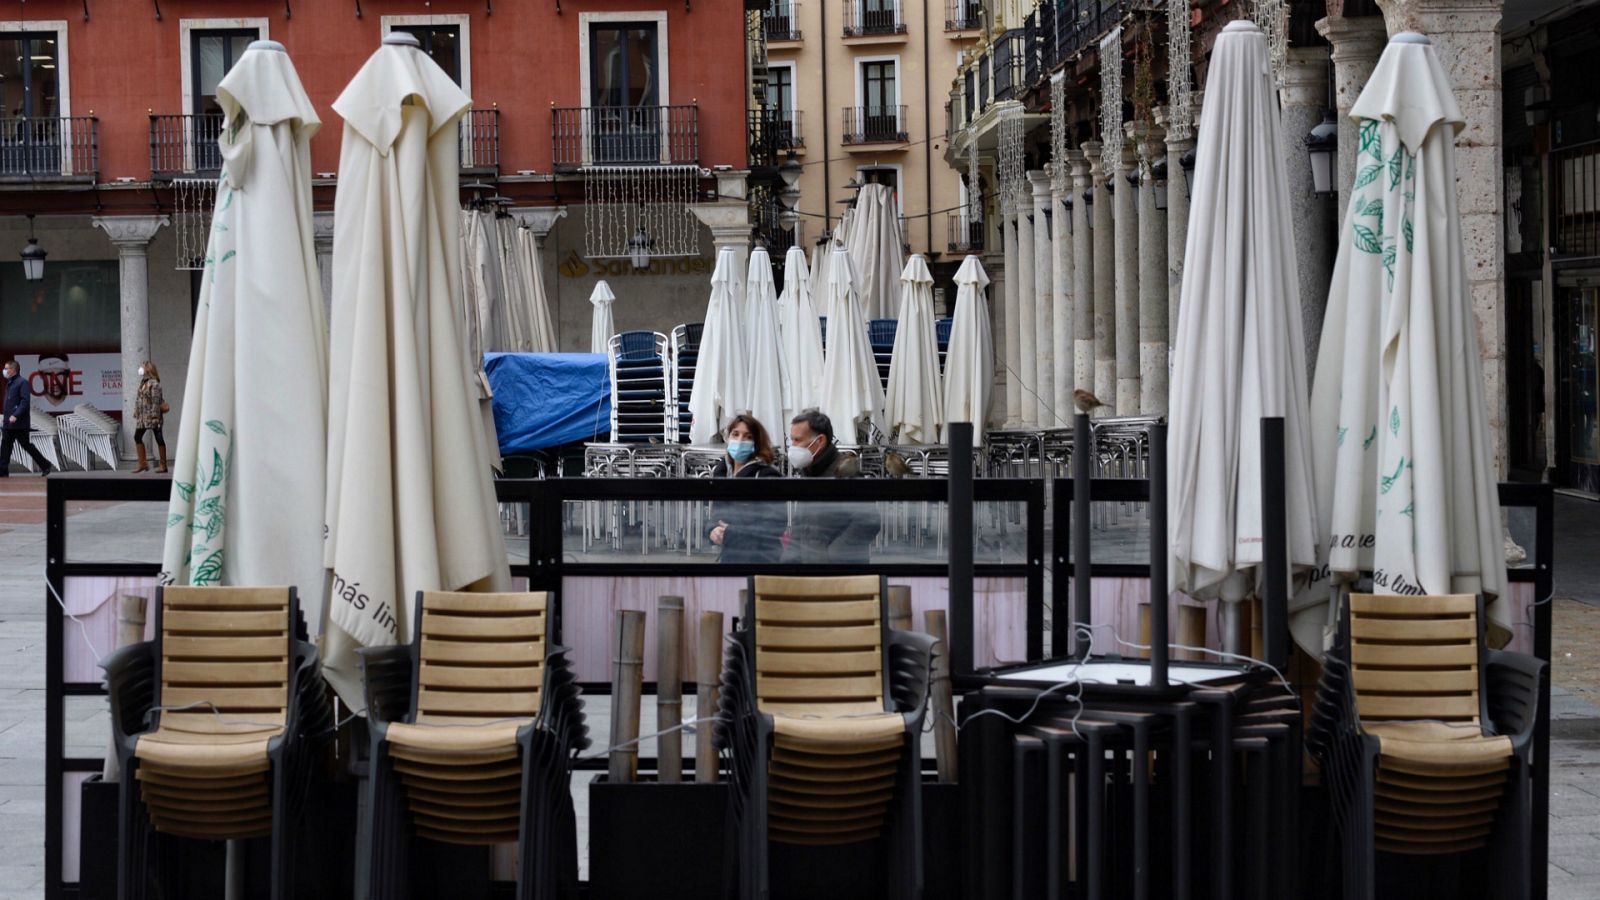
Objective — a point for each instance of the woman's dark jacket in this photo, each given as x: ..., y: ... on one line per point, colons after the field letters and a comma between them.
x: 755, y: 530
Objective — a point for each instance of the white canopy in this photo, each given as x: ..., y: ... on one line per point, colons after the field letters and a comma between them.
x: 721, y: 372
x: 601, y: 325
x: 410, y: 502
x: 852, y: 395
x: 1239, y: 354
x: 914, y: 406
x: 248, y: 481
x: 1406, y: 480
x: 969, y: 359
x: 802, y: 339
x: 765, y: 351
x: 877, y: 250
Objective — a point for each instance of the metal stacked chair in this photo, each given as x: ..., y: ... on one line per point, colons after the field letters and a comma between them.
x: 941, y: 332
x: 821, y: 713
x: 640, y: 388
x: 42, y: 434
x: 685, y: 352
x: 1426, y: 738
x: 217, y: 724
x: 474, y: 728
x: 880, y: 333
x: 98, y: 432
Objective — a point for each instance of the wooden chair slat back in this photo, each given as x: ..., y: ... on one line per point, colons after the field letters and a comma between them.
x: 1415, y: 657
x: 819, y: 645
x: 481, y: 656
x: 226, y: 649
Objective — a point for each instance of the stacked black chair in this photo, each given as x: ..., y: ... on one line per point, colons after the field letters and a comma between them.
x: 218, y: 724
x: 685, y: 351
x: 881, y: 333
x: 1426, y: 740
x: 639, y: 388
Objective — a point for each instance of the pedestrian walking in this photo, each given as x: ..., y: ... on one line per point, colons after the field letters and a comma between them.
x: 827, y: 532
x: 149, y: 411
x: 15, y: 421
x: 747, y: 532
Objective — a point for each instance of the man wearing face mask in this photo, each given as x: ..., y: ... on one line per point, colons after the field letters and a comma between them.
x: 826, y: 532
x: 15, y: 421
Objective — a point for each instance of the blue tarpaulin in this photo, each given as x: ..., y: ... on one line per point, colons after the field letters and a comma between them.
x: 548, y: 399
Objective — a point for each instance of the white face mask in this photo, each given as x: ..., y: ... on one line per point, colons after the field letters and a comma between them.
x: 800, y: 457
x: 141, y: 371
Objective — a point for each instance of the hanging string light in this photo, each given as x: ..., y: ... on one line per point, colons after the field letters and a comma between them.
x: 1111, y: 101
x: 1180, y: 102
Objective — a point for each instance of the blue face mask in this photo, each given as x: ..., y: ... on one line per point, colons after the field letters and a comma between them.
x: 741, y: 450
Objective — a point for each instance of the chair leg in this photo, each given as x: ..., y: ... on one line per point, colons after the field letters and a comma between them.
x: 132, y: 859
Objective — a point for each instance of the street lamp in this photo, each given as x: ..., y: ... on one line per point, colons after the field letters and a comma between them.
x: 1186, y: 162
x: 33, y: 256
x: 1322, y: 145
x: 790, y: 171
x: 1158, y: 181
x: 639, y: 248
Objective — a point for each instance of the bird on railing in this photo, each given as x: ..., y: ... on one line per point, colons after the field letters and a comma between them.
x: 1085, y: 401
x: 895, y: 464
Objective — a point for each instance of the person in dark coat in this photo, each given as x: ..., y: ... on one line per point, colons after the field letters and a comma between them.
x: 747, y: 532
x: 15, y: 421
x: 827, y: 532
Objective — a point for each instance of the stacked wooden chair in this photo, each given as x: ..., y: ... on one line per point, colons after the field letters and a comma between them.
x: 1426, y: 738
x: 217, y: 724
x: 821, y: 714
x: 474, y: 727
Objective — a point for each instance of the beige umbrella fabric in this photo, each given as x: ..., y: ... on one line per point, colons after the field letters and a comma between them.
x: 802, y: 339
x: 877, y: 250
x: 969, y: 360
x: 411, y: 503
x: 914, y: 404
x: 852, y: 394
x: 248, y: 476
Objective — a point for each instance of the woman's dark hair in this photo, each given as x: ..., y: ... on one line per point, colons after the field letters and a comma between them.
x: 759, y: 431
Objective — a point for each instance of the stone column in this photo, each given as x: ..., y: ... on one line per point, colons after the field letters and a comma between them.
x: 1082, y: 274
x: 728, y: 219
x: 1105, y: 282
x: 131, y: 235
x: 322, y: 243
x: 1304, y: 96
x: 1152, y: 279
x: 1357, y: 44
x: 1177, y: 223
x: 1061, y: 344
x: 1044, y: 335
x: 1012, y: 354
x: 1466, y: 35
x: 1027, y: 309
x: 1126, y: 213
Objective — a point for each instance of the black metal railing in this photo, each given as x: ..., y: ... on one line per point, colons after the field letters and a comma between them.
x: 1045, y: 44
x: 1030, y: 49
x: 1575, y: 196
x: 54, y: 148
x: 963, y: 15
x: 625, y: 135
x: 772, y: 132
x: 966, y: 234
x: 781, y: 22
x: 766, y: 214
x: 185, y: 145
x: 985, y: 79
x: 969, y: 95
x: 874, y: 124
x: 1010, y: 61
x: 480, y: 140
x: 864, y: 18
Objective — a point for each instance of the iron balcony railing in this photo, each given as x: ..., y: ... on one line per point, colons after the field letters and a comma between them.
x: 625, y: 136
x: 781, y: 22
x: 772, y: 132
x: 50, y: 149
x: 1030, y: 50
x: 963, y: 15
x: 969, y: 94
x: 1045, y: 45
x: 864, y: 18
x: 183, y: 145
x: 874, y: 124
x: 1575, y: 196
x: 1010, y: 60
x: 985, y: 80
x: 966, y: 234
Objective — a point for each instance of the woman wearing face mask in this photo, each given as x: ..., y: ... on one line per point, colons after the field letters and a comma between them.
x: 148, y: 411
x: 747, y: 532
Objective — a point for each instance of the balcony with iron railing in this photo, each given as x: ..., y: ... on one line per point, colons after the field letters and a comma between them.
x: 875, y: 125
x: 966, y: 233
x: 624, y: 136
x: 873, y: 18
x: 781, y: 22
x: 1575, y: 196
x: 963, y: 15
x: 772, y: 134
x: 57, y: 148
x: 1010, y: 61
x: 186, y: 145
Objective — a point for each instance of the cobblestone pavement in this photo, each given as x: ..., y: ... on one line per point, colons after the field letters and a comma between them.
x: 131, y: 531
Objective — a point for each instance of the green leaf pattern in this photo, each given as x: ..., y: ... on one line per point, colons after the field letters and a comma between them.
x: 1387, y: 482
x: 209, y: 515
x: 1370, y: 438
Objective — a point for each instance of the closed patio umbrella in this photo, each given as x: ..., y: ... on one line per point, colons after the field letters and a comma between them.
x: 969, y: 359
x: 1239, y: 353
x: 764, y: 352
x: 411, y: 504
x: 802, y: 339
x: 513, y: 286
x: 914, y: 406
x: 483, y: 294
x: 877, y: 250
x: 852, y: 394
x: 721, y: 372
x: 1406, y: 479
x: 601, y: 325
x: 821, y: 255
x: 248, y: 481
x: 524, y: 248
